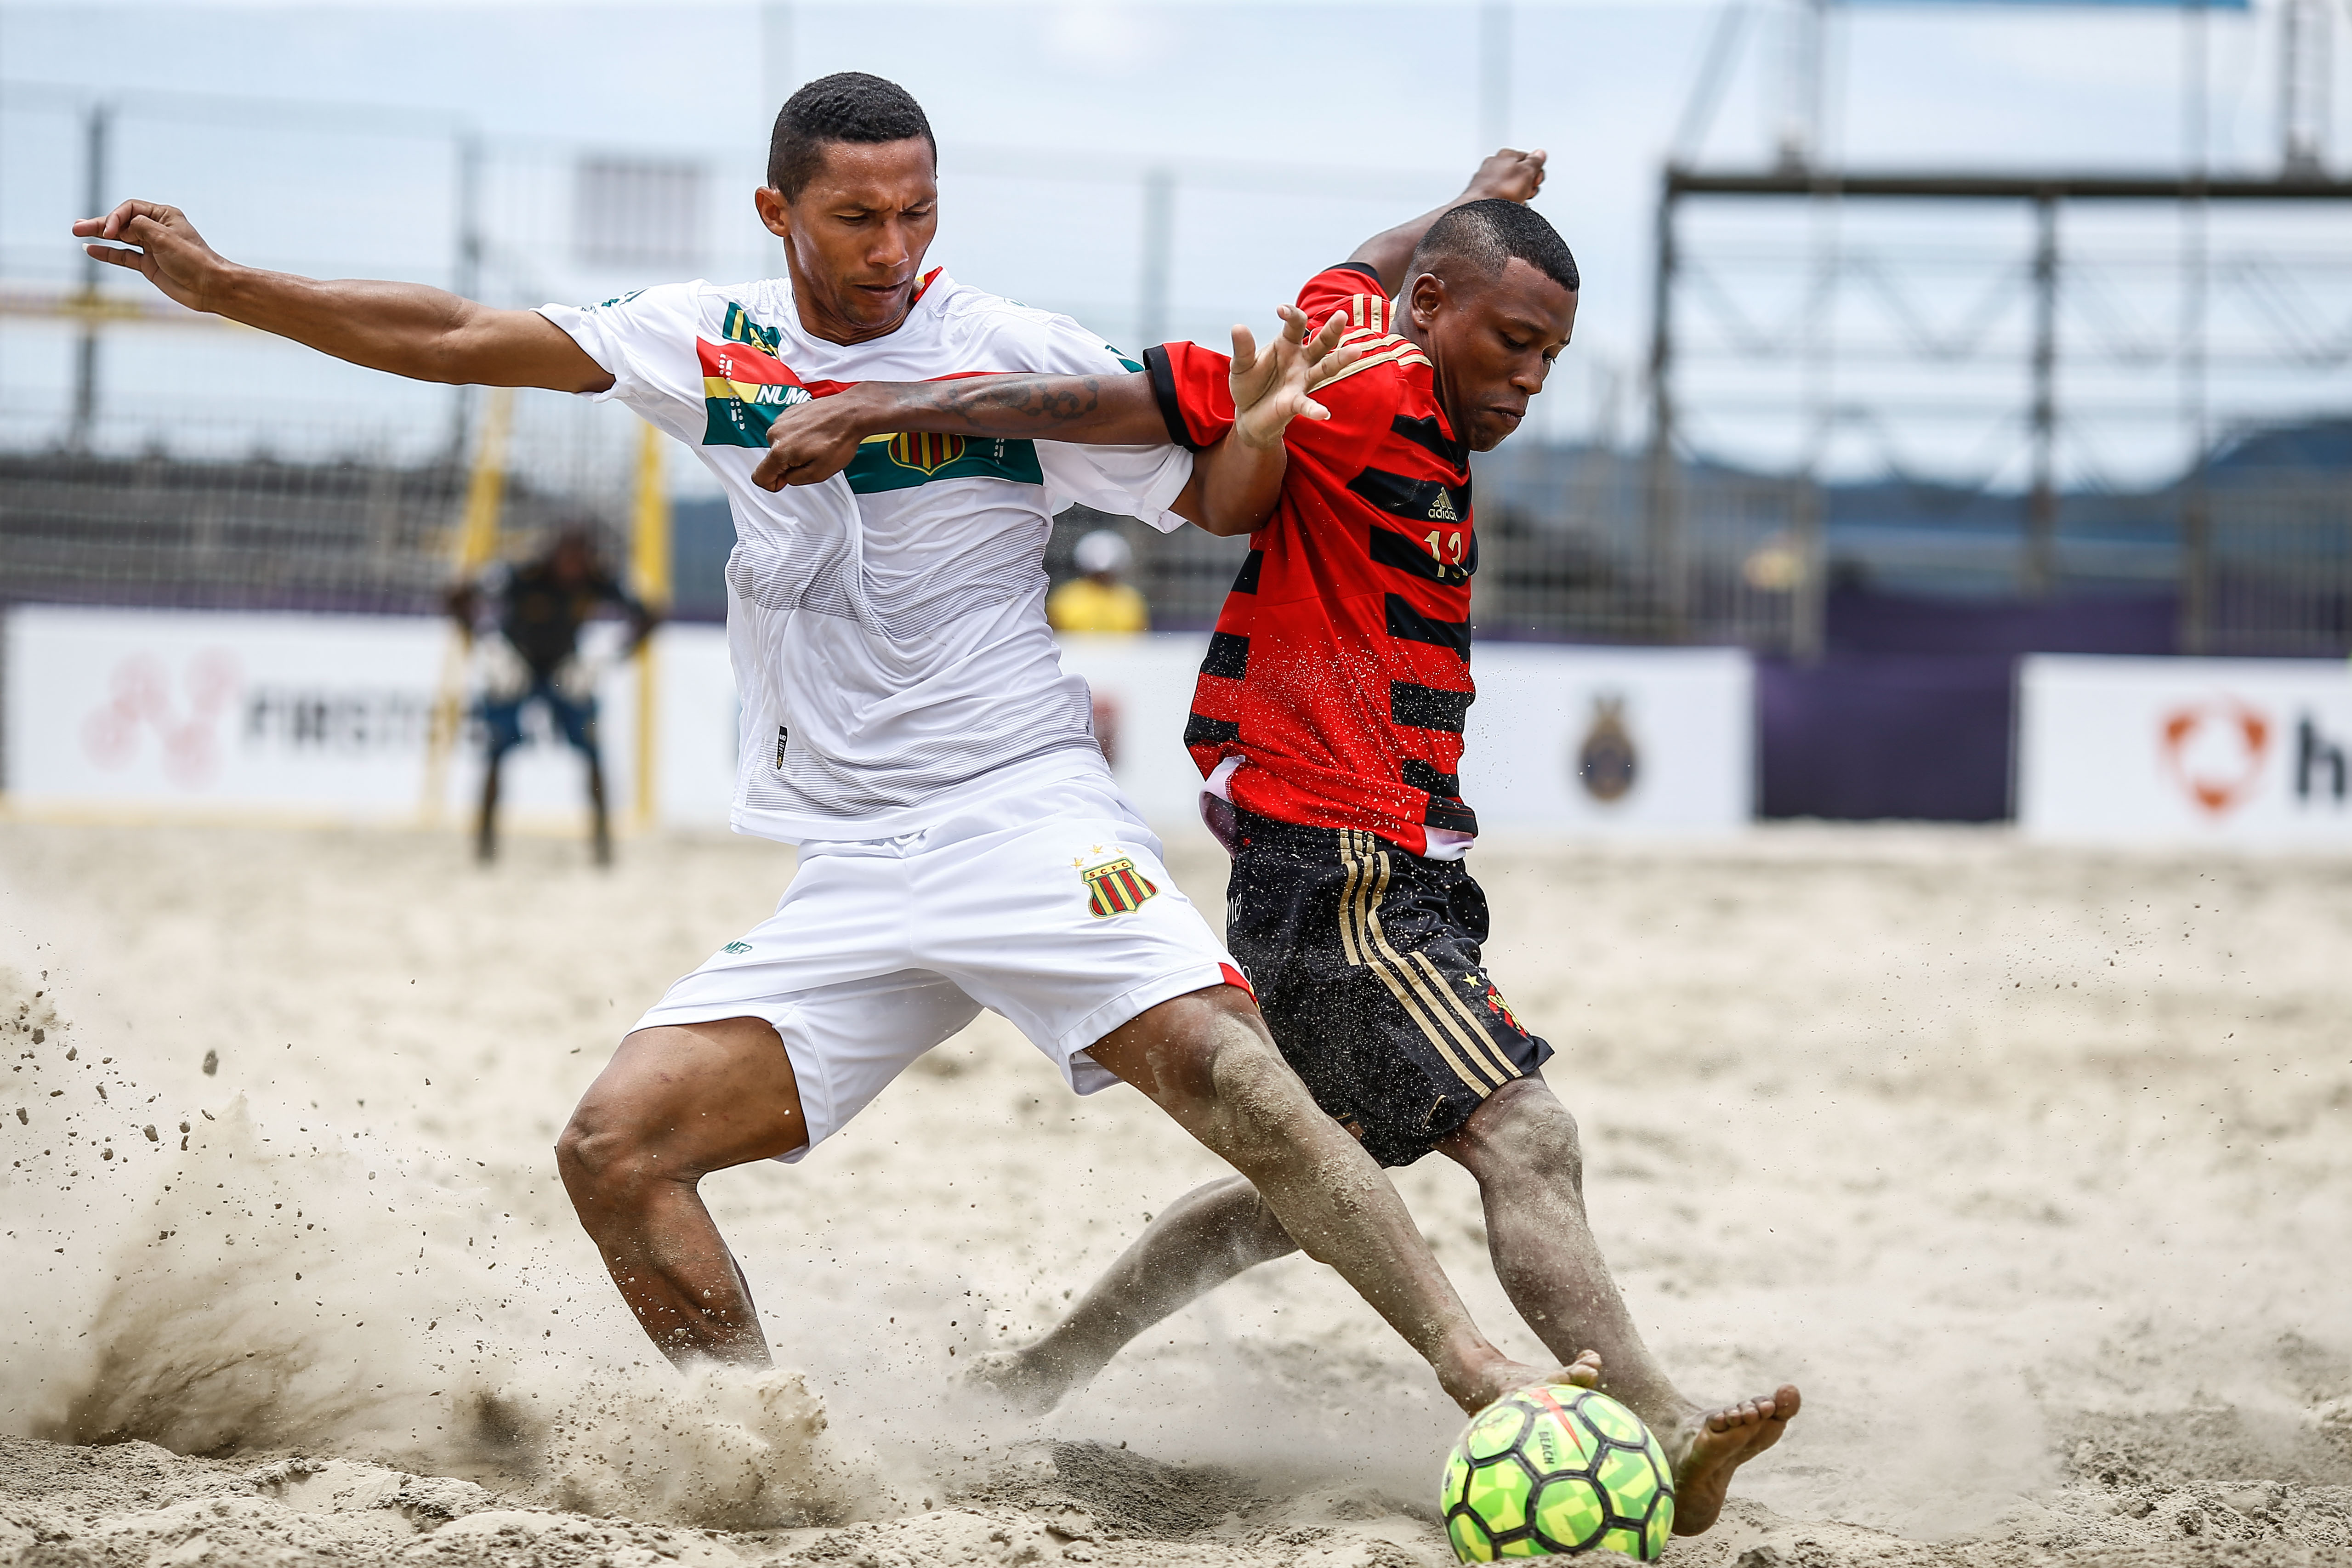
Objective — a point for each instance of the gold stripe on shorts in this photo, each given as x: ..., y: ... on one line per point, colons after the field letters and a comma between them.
x: 1483, y: 1050
x: 1347, y: 902
x: 1360, y: 933
x: 1461, y: 1005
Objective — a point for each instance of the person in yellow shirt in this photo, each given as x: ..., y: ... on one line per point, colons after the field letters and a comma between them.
x: 1100, y: 600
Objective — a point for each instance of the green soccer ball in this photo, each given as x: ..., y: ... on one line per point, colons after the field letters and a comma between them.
x: 1556, y: 1469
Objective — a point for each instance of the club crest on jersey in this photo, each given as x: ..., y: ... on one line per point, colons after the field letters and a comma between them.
x: 925, y: 451
x: 1115, y: 888
x: 1607, y: 765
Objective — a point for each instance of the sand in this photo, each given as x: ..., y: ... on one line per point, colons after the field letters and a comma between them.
x: 2032, y: 1167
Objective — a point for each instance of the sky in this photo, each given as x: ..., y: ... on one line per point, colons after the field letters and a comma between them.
x: 1292, y: 131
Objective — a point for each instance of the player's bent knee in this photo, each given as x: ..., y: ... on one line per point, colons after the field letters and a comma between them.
x: 1524, y: 1130
x: 605, y: 1160
x: 1549, y: 1145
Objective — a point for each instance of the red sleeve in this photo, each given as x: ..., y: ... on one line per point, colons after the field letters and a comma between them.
x: 1353, y: 289
x: 1194, y: 389
x: 1193, y: 385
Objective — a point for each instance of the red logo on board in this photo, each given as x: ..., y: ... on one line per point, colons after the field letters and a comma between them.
x: 2216, y: 749
x: 141, y: 703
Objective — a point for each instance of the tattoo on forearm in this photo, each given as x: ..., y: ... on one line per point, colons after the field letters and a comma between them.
x: 1038, y: 400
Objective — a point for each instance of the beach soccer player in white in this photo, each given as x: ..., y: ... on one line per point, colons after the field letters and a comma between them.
x: 906, y: 722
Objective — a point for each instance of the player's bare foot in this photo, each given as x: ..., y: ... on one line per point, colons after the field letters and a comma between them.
x: 1026, y: 1382
x: 1720, y: 1442
x: 1499, y: 1377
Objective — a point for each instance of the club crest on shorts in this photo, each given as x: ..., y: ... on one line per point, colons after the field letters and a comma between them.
x: 1494, y: 1002
x: 1115, y: 888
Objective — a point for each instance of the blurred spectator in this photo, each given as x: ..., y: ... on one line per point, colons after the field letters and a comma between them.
x: 1101, y: 600
x: 536, y: 609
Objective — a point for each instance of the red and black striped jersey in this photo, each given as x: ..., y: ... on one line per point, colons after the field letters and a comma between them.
x: 1341, y: 664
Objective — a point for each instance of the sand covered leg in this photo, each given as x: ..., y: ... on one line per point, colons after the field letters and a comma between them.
x: 1207, y: 1060
x: 674, y: 1105
x: 600, y: 829
x: 1200, y: 1241
x: 1522, y: 1146
x: 486, y: 819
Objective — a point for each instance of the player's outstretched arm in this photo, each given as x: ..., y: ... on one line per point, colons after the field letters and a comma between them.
x: 815, y: 440
x: 406, y: 329
x: 1511, y: 175
x: 1235, y: 481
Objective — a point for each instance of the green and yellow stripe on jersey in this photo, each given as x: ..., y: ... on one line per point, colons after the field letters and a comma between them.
x: 745, y: 386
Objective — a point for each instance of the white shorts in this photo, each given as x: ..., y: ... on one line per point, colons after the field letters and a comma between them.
x: 1050, y: 906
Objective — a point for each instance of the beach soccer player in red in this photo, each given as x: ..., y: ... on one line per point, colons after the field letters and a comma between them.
x: 1327, y: 726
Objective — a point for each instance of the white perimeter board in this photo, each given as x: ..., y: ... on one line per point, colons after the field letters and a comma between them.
x: 200, y: 714
x: 2194, y: 751
x: 1686, y: 716
x: 215, y: 714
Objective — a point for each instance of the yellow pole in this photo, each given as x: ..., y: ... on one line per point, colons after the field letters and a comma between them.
x: 477, y: 541
x: 650, y: 549
x: 486, y: 486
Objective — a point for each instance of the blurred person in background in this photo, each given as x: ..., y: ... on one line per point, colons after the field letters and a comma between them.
x: 536, y: 610
x: 1100, y: 599
x: 1101, y: 602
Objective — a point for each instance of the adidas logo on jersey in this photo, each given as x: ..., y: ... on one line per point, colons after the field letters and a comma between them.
x: 1442, y: 509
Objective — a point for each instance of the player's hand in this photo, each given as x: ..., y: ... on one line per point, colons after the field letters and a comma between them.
x: 1271, y: 389
x: 1514, y: 175
x: 171, y: 254
x: 812, y: 441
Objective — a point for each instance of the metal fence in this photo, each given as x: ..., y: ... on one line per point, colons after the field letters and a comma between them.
x: 1748, y: 562
x: 2277, y: 578
x: 253, y: 534
x: 149, y: 456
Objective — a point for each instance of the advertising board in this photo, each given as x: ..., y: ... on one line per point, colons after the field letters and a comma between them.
x: 115, y: 713
x: 1561, y: 739
x: 2190, y: 751
x: 139, y: 714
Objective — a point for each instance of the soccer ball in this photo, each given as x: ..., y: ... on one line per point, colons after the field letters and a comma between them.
x: 1557, y: 1469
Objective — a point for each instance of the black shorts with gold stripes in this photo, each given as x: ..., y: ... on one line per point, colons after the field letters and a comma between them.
x: 1366, y: 962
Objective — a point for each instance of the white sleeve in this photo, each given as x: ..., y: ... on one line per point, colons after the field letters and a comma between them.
x: 645, y: 342
x: 1126, y: 481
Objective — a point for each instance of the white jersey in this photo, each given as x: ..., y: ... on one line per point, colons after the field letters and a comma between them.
x: 887, y: 627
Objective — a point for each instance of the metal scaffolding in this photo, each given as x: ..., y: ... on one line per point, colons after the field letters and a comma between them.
x: 2046, y: 197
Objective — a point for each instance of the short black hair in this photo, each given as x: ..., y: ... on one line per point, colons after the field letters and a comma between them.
x: 847, y: 106
x: 1488, y: 233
